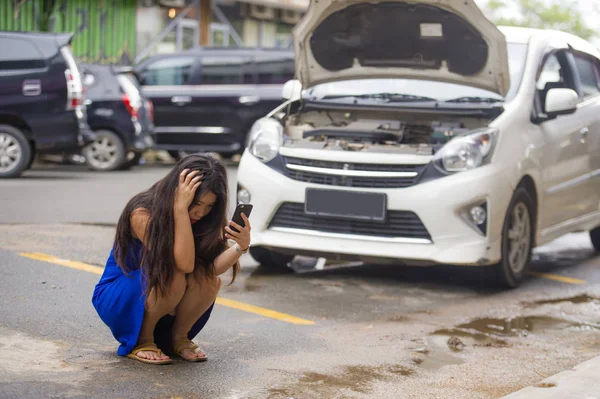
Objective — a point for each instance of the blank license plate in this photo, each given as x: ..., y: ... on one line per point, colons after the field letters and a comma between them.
x: 345, y: 204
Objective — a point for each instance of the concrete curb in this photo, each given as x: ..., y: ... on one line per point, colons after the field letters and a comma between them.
x: 581, y: 382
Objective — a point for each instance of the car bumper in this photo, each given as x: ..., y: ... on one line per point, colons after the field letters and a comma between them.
x: 85, y: 136
x: 142, y: 143
x: 442, y: 206
x: 143, y: 140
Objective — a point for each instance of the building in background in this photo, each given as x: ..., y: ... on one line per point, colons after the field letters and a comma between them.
x: 125, y: 31
x: 105, y: 30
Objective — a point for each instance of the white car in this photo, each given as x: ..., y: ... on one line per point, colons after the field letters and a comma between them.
x: 423, y: 134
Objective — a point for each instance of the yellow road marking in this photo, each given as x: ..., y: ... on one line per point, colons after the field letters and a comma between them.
x: 263, y: 312
x: 557, y: 277
x: 63, y: 262
x: 221, y: 301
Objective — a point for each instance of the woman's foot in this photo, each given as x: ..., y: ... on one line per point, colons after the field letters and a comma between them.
x: 149, y: 353
x: 189, y: 351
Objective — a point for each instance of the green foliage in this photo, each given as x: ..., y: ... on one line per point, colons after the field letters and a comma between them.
x: 46, y: 14
x: 555, y: 14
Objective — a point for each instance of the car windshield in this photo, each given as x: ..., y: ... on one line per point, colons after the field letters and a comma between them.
x: 423, y: 90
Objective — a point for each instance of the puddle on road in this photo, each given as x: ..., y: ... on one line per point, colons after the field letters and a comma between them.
x: 442, y: 345
x: 436, y: 354
x: 513, y: 327
x: 485, y: 331
x: 354, y: 378
x: 577, y: 300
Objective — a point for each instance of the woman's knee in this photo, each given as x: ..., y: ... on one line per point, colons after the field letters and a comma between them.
x: 170, y: 296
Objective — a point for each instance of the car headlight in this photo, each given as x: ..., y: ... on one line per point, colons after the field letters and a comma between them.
x: 266, y: 137
x: 466, y: 152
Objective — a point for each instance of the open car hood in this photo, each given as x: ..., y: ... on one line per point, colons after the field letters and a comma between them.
x: 442, y: 40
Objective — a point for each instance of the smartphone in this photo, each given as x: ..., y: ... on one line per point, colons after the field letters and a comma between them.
x: 246, y: 209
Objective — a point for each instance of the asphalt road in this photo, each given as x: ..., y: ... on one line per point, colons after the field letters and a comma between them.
x: 369, y: 331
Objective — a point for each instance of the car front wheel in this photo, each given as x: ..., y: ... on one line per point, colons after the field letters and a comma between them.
x: 106, y: 153
x: 134, y: 161
x: 15, y: 152
x: 518, y: 235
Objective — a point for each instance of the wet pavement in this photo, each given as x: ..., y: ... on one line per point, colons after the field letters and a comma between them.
x: 371, y: 331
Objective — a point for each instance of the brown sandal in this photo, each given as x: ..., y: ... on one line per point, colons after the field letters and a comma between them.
x: 187, y: 344
x: 150, y: 347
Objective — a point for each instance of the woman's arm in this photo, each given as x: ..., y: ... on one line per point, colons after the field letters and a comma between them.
x: 227, y: 259
x: 231, y: 255
x: 183, y: 247
x: 184, y: 251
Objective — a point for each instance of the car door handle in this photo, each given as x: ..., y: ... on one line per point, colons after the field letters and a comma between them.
x: 32, y: 87
x: 583, y: 134
x: 181, y: 100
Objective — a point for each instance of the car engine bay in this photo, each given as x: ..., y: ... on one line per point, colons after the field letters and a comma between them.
x: 404, y: 132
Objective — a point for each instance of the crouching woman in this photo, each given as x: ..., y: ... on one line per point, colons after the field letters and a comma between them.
x: 162, y: 276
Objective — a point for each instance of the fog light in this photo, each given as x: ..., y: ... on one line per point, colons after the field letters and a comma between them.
x: 243, y: 196
x: 478, y: 215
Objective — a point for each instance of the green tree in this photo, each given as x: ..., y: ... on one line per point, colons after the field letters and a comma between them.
x: 541, y: 14
x: 46, y: 15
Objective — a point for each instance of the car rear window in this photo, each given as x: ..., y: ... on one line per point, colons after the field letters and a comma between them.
x: 20, y: 54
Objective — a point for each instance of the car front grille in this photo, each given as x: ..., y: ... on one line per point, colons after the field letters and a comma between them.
x: 328, y: 171
x: 398, y: 224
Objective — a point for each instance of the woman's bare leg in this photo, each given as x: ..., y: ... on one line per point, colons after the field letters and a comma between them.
x: 156, y: 307
x: 199, y: 295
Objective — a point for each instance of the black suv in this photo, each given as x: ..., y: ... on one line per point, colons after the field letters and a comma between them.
x: 207, y: 99
x: 120, y: 116
x: 41, y: 101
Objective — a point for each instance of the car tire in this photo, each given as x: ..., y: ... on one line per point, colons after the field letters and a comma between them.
x: 106, y: 153
x: 518, y: 237
x: 31, y: 157
x: 130, y: 163
x: 270, y: 260
x: 176, y: 155
x: 595, y: 237
x: 15, y: 152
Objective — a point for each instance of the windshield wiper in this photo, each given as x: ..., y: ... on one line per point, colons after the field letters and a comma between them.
x: 397, y: 97
x: 389, y: 97
x: 474, y: 99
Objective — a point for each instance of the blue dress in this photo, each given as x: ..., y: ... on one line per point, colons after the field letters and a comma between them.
x: 119, y: 300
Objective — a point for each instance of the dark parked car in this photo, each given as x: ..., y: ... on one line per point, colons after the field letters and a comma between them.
x: 120, y: 116
x: 207, y: 99
x: 41, y: 101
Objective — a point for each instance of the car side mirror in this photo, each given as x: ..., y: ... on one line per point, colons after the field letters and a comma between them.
x: 292, y: 90
x: 561, y: 102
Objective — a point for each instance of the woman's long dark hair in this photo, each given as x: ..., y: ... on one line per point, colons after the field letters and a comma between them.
x: 157, y: 260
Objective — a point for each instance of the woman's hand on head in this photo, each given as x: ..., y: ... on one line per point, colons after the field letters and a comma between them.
x: 243, y: 237
x: 188, y: 184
